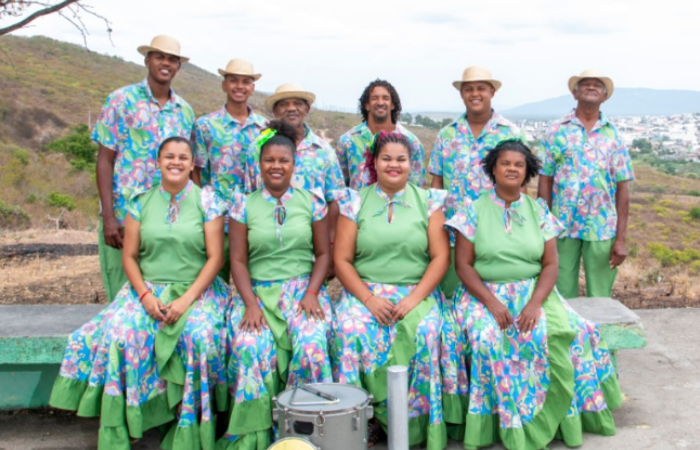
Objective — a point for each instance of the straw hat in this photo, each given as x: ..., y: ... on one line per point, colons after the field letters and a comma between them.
x: 289, y: 90
x: 475, y: 73
x: 165, y: 44
x: 573, y: 81
x: 240, y: 67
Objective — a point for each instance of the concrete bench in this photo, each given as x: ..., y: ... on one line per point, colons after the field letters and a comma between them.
x: 32, y: 341
x: 620, y: 327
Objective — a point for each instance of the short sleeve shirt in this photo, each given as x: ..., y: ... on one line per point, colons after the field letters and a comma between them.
x: 221, y: 143
x: 586, y: 168
x: 316, y: 168
x: 354, y: 145
x: 457, y: 156
x: 133, y: 125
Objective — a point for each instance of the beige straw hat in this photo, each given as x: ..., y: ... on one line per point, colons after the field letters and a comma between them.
x: 165, y: 44
x: 240, y: 67
x: 289, y: 90
x: 573, y: 81
x: 475, y: 73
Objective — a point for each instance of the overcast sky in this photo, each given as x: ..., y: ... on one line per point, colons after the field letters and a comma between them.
x: 335, y: 48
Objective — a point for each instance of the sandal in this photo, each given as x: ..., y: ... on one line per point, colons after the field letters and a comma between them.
x: 375, y: 432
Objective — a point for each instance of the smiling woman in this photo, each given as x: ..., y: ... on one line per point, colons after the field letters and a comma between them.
x: 163, y: 329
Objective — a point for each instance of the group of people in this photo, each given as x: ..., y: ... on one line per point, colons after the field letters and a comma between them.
x: 463, y: 282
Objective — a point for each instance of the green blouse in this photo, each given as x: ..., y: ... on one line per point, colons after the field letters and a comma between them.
x: 279, y: 251
x: 172, y: 248
x: 393, y: 252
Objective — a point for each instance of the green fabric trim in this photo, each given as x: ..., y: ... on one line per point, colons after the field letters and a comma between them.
x: 251, y: 416
x: 66, y: 393
x: 221, y: 396
x: 91, y: 403
x: 170, y: 365
x: 270, y: 296
x: 612, y: 393
x: 483, y: 430
x: 454, y: 407
x: 195, y: 437
x: 402, y: 351
x: 260, y: 440
x: 113, y: 438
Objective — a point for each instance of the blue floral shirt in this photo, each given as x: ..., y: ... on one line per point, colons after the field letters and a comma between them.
x: 353, y: 145
x: 586, y: 168
x: 133, y: 125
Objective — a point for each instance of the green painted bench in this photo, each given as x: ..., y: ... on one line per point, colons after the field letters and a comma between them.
x: 32, y: 341
x: 620, y: 327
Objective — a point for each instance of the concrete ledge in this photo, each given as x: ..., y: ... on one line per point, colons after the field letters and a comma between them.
x: 620, y: 327
x: 37, y: 334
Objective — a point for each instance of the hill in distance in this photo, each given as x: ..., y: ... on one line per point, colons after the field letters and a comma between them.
x: 624, y: 102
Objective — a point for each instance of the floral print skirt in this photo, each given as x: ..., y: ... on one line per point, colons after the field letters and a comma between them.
x: 363, y: 349
x: 526, y: 390
x: 109, y: 370
x: 292, y: 349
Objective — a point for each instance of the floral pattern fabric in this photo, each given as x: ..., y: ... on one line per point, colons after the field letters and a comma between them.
x: 316, y: 168
x: 457, y: 156
x: 133, y: 125
x: 353, y: 145
x: 511, y: 372
x: 221, y: 143
x: 253, y: 360
x: 586, y: 168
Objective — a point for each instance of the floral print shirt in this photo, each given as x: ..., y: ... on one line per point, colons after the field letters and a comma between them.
x: 457, y: 155
x: 316, y: 168
x: 133, y: 125
x: 586, y: 168
x: 221, y: 143
x: 353, y: 145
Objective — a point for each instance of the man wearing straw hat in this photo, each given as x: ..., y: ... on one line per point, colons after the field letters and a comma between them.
x: 316, y: 164
x: 221, y: 138
x: 455, y: 161
x: 133, y: 122
x: 584, y: 179
x: 380, y: 107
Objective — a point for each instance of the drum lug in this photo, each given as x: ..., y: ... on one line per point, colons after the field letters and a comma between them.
x: 320, y: 422
x: 356, y: 419
x: 275, y: 414
x: 287, y: 425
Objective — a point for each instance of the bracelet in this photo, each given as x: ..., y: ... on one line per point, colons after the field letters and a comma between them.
x: 364, y: 302
x: 141, y: 297
x: 309, y: 291
x: 332, y: 242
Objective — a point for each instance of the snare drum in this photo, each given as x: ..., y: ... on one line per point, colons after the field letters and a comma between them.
x: 331, y: 416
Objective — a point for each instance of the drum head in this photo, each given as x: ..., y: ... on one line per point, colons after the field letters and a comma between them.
x: 300, y: 400
x: 292, y: 443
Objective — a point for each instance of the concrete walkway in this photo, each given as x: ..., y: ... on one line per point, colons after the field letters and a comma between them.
x: 661, y: 384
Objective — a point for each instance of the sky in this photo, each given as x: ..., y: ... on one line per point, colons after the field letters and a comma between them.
x: 335, y: 49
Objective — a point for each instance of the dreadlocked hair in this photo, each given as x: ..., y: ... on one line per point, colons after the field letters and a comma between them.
x: 364, y: 99
x: 380, y: 140
x: 286, y: 136
x: 532, y: 163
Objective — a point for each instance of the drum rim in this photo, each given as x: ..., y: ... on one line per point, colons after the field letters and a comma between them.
x: 330, y: 412
x: 296, y: 438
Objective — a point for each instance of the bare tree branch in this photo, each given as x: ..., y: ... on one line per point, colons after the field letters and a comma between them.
x: 30, y: 18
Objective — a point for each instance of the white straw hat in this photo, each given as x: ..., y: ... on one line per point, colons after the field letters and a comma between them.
x: 240, y: 67
x: 165, y: 44
x: 289, y: 90
x: 573, y: 81
x: 475, y: 73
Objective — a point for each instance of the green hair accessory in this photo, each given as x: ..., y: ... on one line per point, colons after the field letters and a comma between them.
x: 265, y: 136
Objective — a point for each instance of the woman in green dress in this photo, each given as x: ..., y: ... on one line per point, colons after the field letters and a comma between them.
x: 539, y: 371
x: 156, y: 355
x: 391, y: 252
x: 280, y: 319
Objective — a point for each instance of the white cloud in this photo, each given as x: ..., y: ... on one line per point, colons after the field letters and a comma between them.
x: 336, y: 48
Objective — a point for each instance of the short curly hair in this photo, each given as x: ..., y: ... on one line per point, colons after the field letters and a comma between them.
x: 532, y: 163
x: 395, y: 99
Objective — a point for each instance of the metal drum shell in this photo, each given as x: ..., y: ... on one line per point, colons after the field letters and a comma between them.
x: 333, y: 429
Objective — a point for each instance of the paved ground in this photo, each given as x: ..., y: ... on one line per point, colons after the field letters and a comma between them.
x: 661, y: 384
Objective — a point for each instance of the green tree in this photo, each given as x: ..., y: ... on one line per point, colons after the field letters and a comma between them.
x: 78, y: 147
